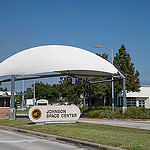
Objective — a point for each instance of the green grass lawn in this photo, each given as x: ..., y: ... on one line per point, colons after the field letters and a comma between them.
x: 22, y: 111
x: 132, y: 139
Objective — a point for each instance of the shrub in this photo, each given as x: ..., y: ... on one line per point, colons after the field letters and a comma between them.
x: 106, y: 112
x: 137, y: 113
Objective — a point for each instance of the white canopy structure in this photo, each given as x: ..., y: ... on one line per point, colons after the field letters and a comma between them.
x: 64, y: 60
x: 56, y: 58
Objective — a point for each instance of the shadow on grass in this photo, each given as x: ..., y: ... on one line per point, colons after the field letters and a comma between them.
x: 22, y: 116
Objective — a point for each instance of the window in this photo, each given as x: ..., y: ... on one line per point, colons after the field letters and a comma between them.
x: 131, y: 101
x: 141, y: 103
x: 4, y: 102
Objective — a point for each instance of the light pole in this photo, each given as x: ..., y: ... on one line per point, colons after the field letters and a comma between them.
x: 34, y: 92
x: 112, y: 75
x: 23, y: 93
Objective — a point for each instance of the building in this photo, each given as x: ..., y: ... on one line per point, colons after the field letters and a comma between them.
x: 30, y: 102
x: 139, y: 99
x: 5, y: 98
x: 4, y: 104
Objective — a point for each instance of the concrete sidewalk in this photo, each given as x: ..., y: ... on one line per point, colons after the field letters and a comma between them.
x: 121, y: 123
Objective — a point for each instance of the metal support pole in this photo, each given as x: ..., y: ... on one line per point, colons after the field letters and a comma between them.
x: 124, y: 108
x: 34, y: 92
x: 113, y: 105
x: 90, y: 99
x: 12, y: 98
x: 34, y: 89
x: 84, y: 96
x: 104, y: 101
x: 12, y: 110
x: 117, y: 100
x: 23, y: 94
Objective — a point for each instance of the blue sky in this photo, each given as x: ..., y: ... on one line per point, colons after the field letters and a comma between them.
x: 80, y: 23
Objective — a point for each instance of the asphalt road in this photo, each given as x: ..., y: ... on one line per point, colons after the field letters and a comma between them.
x: 15, y: 141
x: 122, y: 123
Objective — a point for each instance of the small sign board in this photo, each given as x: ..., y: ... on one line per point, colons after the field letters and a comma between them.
x: 54, y: 114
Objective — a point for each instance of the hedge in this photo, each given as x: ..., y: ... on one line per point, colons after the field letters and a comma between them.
x: 106, y: 112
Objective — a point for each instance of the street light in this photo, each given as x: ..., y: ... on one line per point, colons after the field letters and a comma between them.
x: 23, y: 93
x: 34, y: 91
x: 112, y: 75
x: 107, y: 49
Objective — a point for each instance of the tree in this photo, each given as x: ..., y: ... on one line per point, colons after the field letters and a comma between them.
x: 104, y: 55
x: 18, y: 99
x: 101, y: 90
x: 122, y: 62
x: 29, y: 93
x: 73, y: 92
x: 47, y: 91
x: 3, y: 89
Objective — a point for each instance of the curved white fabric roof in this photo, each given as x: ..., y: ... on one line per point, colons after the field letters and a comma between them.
x: 56, y: 58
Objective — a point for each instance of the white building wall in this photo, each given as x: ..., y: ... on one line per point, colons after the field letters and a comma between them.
x: 143, y: 94
x: 147, y: 103
x: 137, y: 103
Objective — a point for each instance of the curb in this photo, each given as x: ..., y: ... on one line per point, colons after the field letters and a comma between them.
x: 118, y: 119
x: 60, y: 138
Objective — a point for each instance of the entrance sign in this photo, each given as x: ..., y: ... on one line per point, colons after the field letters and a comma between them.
x: 54, y: 114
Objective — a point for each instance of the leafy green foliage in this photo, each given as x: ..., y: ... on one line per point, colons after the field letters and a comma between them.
x: 104, y: 55
x: 106, y: 112
x: 122, y: 62
x: 44, y: 91
x: 103, y: 112
x: 101, y: 90
x: 137, y: 113
x: 29, y: 93
x: 63, y: 92
x: 3, y: 89
x: 73, y: 92
x: 18, y: 99
x: 47, y: 91
x: 23, y: 111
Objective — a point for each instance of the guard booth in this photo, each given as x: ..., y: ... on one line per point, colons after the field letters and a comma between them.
x: 4, y: 104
